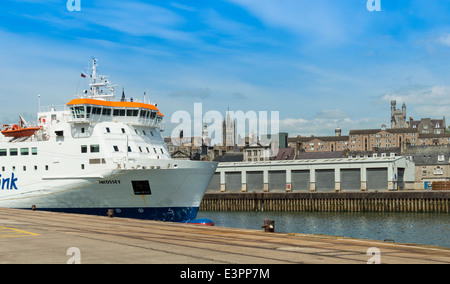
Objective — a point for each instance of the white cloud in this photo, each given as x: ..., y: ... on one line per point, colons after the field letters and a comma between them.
x: 138, y: 19
x: 325, y: 122
x: 444, y: 39
x: 422, y: 101
x: 321, y: 20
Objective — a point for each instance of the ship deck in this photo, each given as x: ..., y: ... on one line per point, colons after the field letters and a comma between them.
x: 44, y: 237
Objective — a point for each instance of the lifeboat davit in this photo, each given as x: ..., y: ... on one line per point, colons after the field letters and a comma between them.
x: 16, y: 131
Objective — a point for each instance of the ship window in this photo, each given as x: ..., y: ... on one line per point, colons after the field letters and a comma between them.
x: 79, y: 111
x: 107, y: 111
x: 132, y: 112
x: 24, y: 151
x: 97, y: 110
x: 34, y: 151
x: 148, y: 150
x: 24, y: 168
x: 108, y: 130
x: 140, y: 149
x: 123, y: 130
x: 143, y: 113
x: 153, y: 115
x: 3, y: 152
x: 46, y: 168
x: 162, y: 152
x: 116, y: 149
x: 129, y: 149
x: 59, y: 133
x: 83, y: 148
x: 13, y: 152
x: 82, y: 166
x: 35, y: 168
x: 3, y: 169
x: 143, y: 131
x: 154, y: 150
x: 82, y: 130
x: 141, y: 187
x: 95, y: 161
x: 95, y: 148
x: 119, y: 112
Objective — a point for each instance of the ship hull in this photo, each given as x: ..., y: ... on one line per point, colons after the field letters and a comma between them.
x: 173, y: 194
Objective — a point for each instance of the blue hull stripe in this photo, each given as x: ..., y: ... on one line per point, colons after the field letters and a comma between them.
x: 172, y: 214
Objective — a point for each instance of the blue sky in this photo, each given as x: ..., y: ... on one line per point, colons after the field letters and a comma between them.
x: 319, y: 63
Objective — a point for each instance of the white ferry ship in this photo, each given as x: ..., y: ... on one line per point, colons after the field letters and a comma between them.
x: 95, y: 154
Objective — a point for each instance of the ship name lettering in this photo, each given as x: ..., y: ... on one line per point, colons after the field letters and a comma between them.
x: 8, y: 183
x: 109, y: 181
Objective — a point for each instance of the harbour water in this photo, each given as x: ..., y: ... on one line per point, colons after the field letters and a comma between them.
x: 415, y: 228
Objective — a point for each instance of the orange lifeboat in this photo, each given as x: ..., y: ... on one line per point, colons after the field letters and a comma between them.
x: 16, y: 131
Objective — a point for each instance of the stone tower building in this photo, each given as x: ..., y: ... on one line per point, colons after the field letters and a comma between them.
x: 398, y: 117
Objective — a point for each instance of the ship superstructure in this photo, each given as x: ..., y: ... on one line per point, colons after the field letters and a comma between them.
x: 98, y: 153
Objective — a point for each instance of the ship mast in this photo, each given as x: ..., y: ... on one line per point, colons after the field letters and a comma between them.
x: 100, y: 86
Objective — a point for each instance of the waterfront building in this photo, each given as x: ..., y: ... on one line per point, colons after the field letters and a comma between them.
x: 319, y: 143
x: 432, y: 163
x: 323, y: 175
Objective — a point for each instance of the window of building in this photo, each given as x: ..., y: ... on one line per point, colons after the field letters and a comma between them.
x: 441, y: 158
x: 438, y: 171
x: 84, y: 149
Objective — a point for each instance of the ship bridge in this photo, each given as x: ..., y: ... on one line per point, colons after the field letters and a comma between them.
x: 100, y: 105
x: 87, y: 110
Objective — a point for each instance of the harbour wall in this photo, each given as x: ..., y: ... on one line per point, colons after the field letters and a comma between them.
x: 402, y: 201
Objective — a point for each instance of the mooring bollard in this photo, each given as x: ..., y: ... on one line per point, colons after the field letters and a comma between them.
x: 110, y: 213
x: 33, y: 207
x: 269, y: 225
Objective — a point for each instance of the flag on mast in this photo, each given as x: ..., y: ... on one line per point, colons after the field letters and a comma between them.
x: 83, y: 75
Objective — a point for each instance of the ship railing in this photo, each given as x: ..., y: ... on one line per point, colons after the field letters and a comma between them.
x: 53, y: 108
x: 144, y: 122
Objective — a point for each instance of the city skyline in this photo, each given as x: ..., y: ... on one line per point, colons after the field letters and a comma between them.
x: 320, y: 64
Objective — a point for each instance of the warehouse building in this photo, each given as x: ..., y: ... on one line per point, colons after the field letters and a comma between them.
x: 321, y: 175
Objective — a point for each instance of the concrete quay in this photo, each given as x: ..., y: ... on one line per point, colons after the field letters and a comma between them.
x: 37, y: 237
